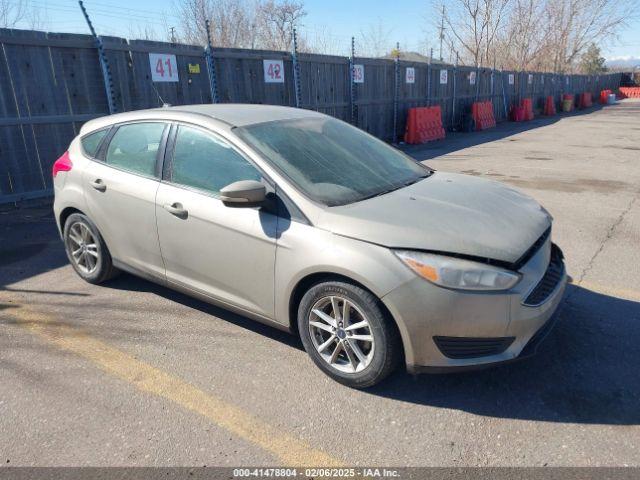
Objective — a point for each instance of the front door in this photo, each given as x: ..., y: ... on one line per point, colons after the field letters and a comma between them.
x: 225, y: 253
x: 121, y: 193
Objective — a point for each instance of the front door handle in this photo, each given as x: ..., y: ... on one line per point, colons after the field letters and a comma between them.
x: 99, y: 185
x: 176, y: 209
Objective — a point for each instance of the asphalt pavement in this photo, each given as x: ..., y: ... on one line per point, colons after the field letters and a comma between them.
x: 133, y: 374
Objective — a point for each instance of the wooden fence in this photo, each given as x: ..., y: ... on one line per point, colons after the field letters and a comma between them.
x: 50, y: 83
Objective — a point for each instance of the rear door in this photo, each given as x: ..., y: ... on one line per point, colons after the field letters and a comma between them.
x: 222, y: 252
x: 120, y: 189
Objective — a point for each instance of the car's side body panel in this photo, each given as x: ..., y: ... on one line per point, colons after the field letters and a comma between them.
x: 227, y: 253
x: 304, y: 250
x: 125, y: 215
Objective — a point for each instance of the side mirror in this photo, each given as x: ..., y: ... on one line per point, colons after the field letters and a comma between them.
x: 245, y: 193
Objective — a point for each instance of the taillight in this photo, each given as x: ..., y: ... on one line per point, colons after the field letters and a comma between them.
x: 63, y: 164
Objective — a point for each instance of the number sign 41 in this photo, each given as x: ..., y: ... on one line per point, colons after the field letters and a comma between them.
x: 164, y: 67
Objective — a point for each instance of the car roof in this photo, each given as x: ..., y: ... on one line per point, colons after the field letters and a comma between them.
x: 233, y: 114
x: 239, y: 114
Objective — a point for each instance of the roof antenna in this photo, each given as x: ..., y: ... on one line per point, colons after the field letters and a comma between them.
x: 162, y: 102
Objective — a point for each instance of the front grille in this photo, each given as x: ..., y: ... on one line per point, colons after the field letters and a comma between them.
x: 549, y: 281
x: 468, y: 347
x: 533, y: 249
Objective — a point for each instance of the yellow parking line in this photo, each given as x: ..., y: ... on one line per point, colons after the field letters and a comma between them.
x: 290, y: 450
x: 612, y: 291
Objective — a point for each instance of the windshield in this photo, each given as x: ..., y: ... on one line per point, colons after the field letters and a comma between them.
x: 330, y: 161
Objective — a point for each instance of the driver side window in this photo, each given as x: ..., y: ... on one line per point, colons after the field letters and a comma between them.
x: 204, y: 161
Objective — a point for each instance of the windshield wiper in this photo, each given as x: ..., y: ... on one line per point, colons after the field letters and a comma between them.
x: 397, y: 187
x: 415, y: 180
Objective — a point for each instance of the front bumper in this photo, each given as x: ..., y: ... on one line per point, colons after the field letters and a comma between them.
x: 426, y: 313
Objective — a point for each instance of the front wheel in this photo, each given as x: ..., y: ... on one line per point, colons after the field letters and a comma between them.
x: 347, y: 334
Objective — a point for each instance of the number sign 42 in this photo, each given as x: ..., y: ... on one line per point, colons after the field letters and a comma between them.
x: 164, y: 67
x: 273, y: 71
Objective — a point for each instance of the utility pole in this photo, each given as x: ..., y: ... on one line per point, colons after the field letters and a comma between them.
x: 172, y: 30
x: 441, y: 31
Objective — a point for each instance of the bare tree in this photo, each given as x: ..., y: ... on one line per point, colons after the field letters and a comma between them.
x: 576, y: 24
x: 320, y: 40
x: 524, y: 39
x: 139, y: 31
x: 547, y: 35
x: 374, y: 40
x: 14, y: 13
x: 233, y: 22
x: 241, y: 24
x: 276, y: 21
x: 472, y: 27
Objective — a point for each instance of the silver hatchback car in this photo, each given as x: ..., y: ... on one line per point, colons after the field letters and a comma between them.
x: 306, y: 223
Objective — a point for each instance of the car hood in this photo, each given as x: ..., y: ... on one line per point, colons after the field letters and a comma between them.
x: 445, y: 212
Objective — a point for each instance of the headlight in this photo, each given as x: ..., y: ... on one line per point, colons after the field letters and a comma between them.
x: 453, y: 272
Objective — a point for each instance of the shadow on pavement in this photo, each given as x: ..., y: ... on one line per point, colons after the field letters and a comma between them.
x: 130, y: 283
x: 26, y: 238
x: 586, y: 371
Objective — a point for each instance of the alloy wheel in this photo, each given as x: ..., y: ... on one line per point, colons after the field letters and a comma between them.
x: 83, y: 248
x: 341, y: 334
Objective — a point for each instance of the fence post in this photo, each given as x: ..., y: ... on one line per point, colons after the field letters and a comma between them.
x: 352, y: 83
x: 396, y: 66
x: 453, y: 97
x: 504, y: 96
x: 491, y: 80
x: 429, y: 78
x: 296, y: 70
x: 104, y: 63
x: 211, y: 68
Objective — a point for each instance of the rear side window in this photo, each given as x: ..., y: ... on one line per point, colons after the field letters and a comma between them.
x: 134, y: 147
x: 91, y: 142
x: 205, y: 162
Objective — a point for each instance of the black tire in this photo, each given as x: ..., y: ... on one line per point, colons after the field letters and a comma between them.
x: 104, y: 269
x: 388, y: 346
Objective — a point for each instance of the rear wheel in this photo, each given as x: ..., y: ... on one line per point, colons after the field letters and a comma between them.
x: 86, y: 250
x: 347, y: 334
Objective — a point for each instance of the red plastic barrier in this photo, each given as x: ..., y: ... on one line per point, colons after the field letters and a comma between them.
x: 423, y: 125
x: 482, y: 113
x: 522, y: 112
x: 629, y: 92
x: 584, y: 100
x: 549, y: 106
x: 527, y: 105
x: 517, y: 114
x: 604, y: 96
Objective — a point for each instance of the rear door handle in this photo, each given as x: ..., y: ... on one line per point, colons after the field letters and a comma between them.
x: 176, y: 209
x: 99, y: 185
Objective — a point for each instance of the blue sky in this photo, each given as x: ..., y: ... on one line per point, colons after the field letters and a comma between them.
x: 407, y: 20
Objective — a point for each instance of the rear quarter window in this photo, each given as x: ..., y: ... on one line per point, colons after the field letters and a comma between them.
x: 91, y: 142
